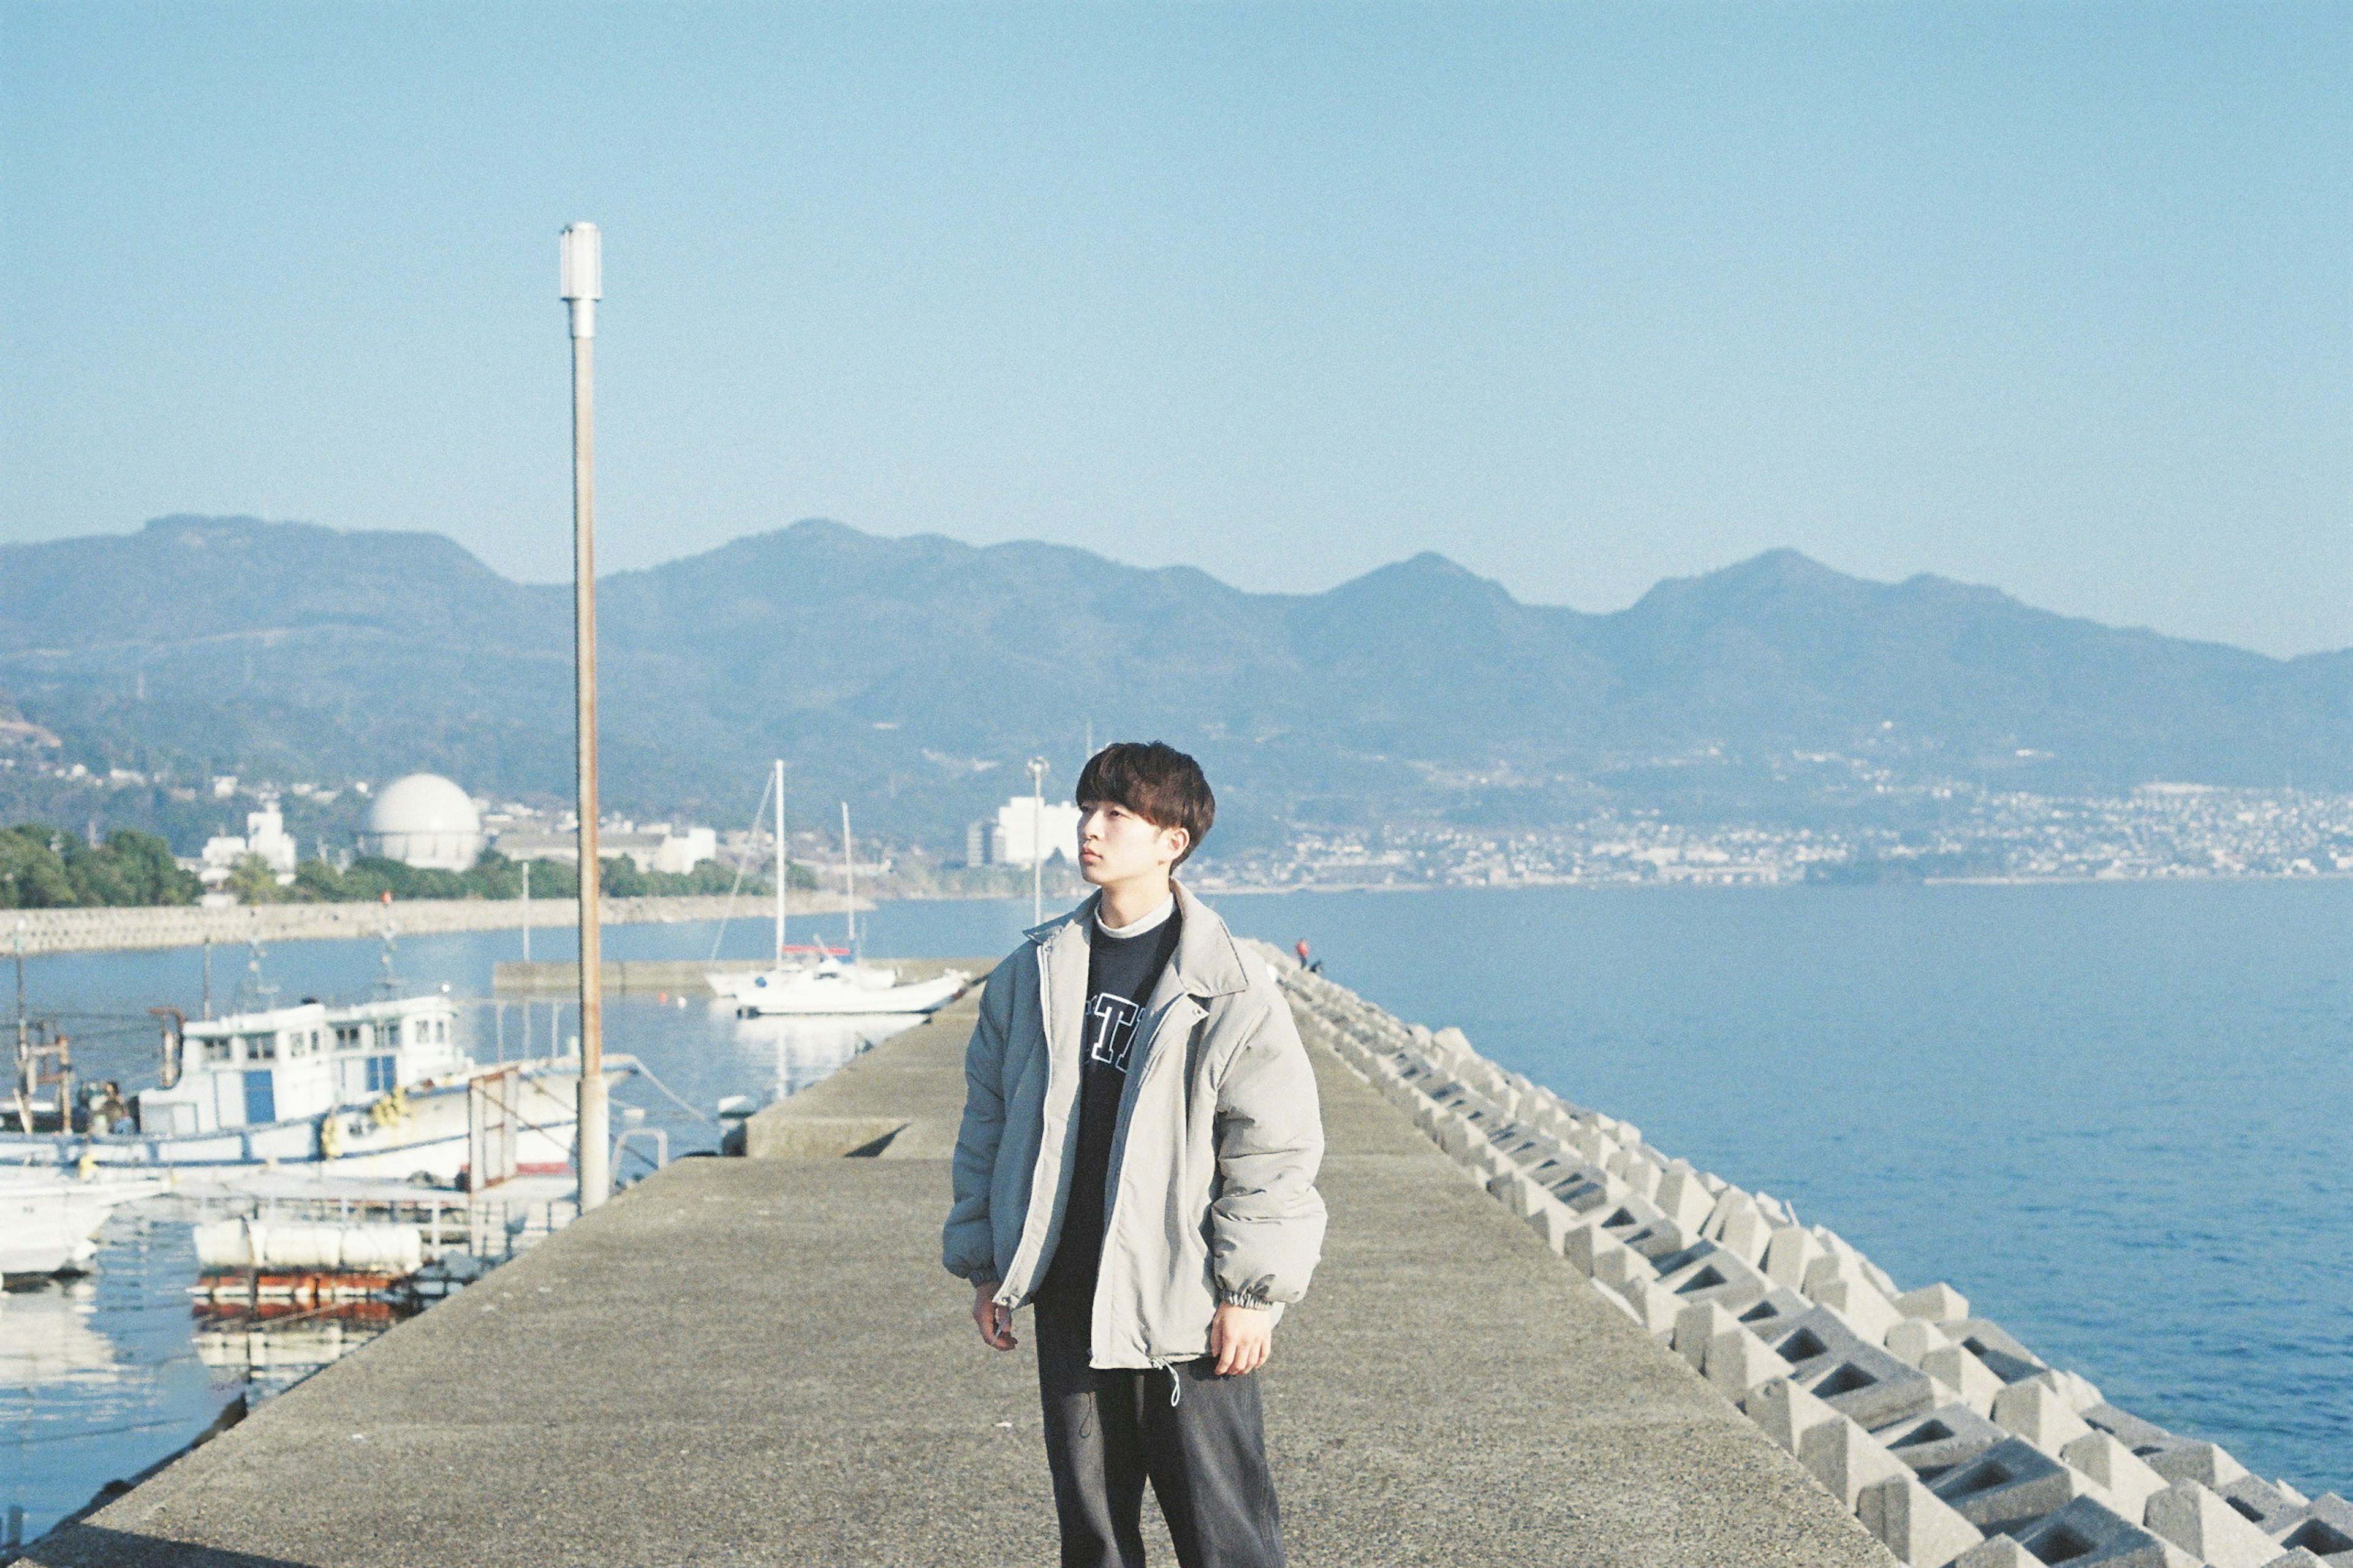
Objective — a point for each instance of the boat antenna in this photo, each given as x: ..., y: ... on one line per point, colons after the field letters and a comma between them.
x: 784, y: 863
x: 253, y: 985
x: 727, y: 909
x: 849, y: 883
x: 388, y: 983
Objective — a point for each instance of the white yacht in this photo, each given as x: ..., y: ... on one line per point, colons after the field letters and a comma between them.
x: 49, y: 1218
x: 829, y: 987
x: 377, y: 1089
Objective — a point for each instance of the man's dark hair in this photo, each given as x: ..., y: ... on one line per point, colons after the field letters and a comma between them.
x: 1156, y: 782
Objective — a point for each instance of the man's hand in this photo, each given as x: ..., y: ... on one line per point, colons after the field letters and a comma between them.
x: 1240, y: 1337
x: 994, y: 1319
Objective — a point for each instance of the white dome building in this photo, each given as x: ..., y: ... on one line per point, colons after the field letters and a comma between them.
x: 425, y: 821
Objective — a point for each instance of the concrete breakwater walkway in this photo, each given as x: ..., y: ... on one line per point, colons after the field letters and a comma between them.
x: 188, y: 925
x: 759, y: 1361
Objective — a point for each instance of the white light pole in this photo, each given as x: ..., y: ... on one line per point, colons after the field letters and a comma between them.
x: 1037, y: 841
x: 582, y: 284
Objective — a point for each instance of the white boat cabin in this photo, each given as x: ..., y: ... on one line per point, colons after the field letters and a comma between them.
x: 291, y: 1063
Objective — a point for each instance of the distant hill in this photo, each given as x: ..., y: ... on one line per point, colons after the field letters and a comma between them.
x: 912, y: 675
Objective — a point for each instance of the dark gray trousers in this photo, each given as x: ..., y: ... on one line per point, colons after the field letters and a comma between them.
x: 1108, y: 1432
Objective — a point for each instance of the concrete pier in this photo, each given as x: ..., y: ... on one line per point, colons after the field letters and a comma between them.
x: 759, y: 1361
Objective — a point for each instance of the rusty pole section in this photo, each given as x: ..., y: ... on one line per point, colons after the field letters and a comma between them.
x: 582, y: 287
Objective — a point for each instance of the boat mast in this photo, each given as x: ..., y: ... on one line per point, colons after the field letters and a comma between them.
x: 780, y: 862
x: 849, y: 883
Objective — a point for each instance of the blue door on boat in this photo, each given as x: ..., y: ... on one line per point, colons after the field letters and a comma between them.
x: 260, y: 1099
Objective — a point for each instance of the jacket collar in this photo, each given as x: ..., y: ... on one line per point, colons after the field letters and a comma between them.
x: 1207, y: 961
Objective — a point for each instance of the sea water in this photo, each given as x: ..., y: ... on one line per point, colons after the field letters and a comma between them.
x: 2115, y: 1116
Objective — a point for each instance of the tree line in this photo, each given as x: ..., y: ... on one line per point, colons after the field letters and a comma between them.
x: 42, y: 867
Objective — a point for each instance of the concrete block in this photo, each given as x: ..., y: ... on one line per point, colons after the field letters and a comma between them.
x: 2126, y: 1483
x: 1746, y: 1231
x: 1997, y: 1551
x: 1914, y: 1523
x: 2036, y: 1412
x: 1859, y: 1380
x: 1913, y: 1337
x: 2088, y: 1533
x: 2003, y: 1356
x: 2197, y: 1519
x: 1518, y: 1194
x: 1866, y: 1311
x: 1655, y: 1308
x: 1587, y: 1245
x: 2077, y: 1392
x: 2323, y: 1527
x: 1681, y: 1198
x: 1966, y: 1375
x: 1696, y: 1324
x: 1778, y: 1213
x: 1786, y: 1413
x: 2188, y: 1459
x: 2300, y: 1558
x: 1776, y: 1307
x: 1737, y: 1360
x: 1728, y: 1202
x: 1636, y: 1171
x: 1932, y: 1444
x: 1615, y: 1265
x: 1841, y: 1456
x: 1552, y: 1220
x: 1789, y: 1253
x: 2008, y: 1485
x: 1936, y: 1303
x: 1706, y: 1272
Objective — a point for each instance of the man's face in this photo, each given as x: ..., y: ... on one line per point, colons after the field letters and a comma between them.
x: 1116, y: 846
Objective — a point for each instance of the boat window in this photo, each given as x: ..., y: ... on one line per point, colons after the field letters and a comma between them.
x: 347, y: 1037
x: 442, y: 1030
x: 297, y: 1046
x: 261, y: 1047
x: 215, y: 1051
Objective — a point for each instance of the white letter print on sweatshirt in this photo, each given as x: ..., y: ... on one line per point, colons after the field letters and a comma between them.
x: 1111, y: 1029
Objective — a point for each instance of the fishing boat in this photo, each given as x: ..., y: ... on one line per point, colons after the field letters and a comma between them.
x: 382, y: 1087
x: 829, y: 987
x: 49, y: 1218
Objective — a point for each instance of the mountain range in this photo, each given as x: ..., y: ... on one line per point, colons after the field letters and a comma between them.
x: 914, y: 674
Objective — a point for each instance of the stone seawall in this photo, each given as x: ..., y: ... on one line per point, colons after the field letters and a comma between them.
x: 186, y: 925
x: 1952, y: 1442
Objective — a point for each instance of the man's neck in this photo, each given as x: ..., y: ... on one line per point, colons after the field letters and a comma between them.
x: 1125, y: 903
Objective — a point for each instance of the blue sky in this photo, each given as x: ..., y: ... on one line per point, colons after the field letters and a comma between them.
x: 2054, y: 297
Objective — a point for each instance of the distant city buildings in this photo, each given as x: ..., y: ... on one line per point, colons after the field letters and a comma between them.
x: 265, y: 835
x: 2162, y: 830
x: 1024, y: 834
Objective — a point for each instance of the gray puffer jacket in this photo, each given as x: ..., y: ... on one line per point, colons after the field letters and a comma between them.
x: 1211, y: 1194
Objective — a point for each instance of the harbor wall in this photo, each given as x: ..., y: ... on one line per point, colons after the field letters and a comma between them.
x: 1950, y: 1441
x: 188, y: 925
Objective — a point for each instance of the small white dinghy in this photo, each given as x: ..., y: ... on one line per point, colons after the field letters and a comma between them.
x: 49, y: 1218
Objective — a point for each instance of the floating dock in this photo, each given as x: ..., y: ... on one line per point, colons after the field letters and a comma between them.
x: 760, y: 1360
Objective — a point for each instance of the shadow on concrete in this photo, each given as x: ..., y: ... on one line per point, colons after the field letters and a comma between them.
x: 94, y: 1546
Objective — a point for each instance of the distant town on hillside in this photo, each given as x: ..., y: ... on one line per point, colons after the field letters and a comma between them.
x: 228, y: 683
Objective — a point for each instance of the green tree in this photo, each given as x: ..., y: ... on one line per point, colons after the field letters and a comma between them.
x: 253, y: 881
x: 32, y: 872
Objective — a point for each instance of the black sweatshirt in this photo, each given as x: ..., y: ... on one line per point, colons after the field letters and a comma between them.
x: 1121, y: 974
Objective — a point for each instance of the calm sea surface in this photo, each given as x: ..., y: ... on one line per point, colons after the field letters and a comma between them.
x: 2119, y: 1118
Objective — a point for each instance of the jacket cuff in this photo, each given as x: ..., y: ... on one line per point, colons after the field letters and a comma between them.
x: 1241, y: 1298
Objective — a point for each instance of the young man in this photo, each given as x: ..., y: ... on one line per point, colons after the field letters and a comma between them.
x: 1138, y: 1158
